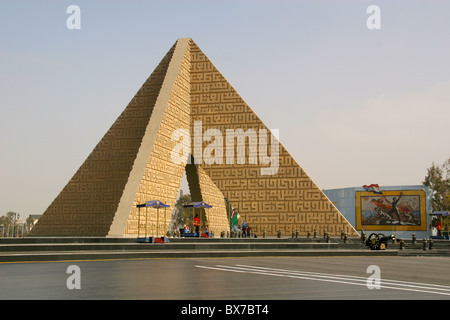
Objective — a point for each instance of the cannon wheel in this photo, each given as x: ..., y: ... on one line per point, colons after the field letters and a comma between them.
x: 374, y: 241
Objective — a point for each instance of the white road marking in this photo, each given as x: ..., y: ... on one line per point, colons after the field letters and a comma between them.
x: 336, y: 278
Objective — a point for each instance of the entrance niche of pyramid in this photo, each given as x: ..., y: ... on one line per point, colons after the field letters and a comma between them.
x: 221, y: 219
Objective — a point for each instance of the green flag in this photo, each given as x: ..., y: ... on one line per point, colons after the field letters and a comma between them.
x: 234, y: 218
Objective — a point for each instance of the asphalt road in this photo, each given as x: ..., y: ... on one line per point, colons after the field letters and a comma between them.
x: 256, y: 279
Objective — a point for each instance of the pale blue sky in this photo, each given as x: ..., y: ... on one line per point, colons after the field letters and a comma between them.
x: 354, y: 106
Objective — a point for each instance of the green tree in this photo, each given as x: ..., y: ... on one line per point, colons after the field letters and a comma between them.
x: 438, y: 179
x: 7, y: 222
x: 181, y: 213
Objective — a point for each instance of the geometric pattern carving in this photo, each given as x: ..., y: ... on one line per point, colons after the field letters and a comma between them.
x: 162, y: 177
x: 287, y: 200
x: 132, y: 163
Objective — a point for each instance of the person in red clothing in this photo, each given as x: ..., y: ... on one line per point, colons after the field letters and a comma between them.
x: 196, y: 223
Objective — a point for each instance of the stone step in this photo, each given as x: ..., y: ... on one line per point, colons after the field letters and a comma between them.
x: 152, y: 254
x: 63, y: 249
x: 96, y: 248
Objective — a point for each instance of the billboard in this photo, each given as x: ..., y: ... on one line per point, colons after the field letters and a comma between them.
x: 391, y: 210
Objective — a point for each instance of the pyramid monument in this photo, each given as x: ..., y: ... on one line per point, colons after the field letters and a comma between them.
x: 187, y: 118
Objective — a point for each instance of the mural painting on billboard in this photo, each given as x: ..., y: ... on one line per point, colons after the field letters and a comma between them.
x: 391, y: 210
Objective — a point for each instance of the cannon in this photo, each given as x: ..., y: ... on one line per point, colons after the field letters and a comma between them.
x: 378, y: 241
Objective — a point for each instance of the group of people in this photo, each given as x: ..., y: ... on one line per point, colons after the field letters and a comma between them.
x: 186, y: 227
x: 246, y: 231
x: 245, y: 228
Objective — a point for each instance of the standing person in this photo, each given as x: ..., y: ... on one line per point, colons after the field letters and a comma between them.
x: 196, y: 223
x: 394, y: 211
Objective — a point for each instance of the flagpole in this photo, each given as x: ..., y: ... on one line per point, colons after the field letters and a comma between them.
x: 229, y: 204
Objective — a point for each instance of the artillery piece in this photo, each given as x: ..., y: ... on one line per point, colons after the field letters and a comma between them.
x: 378, y: 241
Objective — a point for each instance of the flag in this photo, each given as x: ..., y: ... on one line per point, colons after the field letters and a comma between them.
x: 234, y: 217
x: 373, y: 188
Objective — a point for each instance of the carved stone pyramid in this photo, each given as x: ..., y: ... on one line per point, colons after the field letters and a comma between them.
x: 233, y: 155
